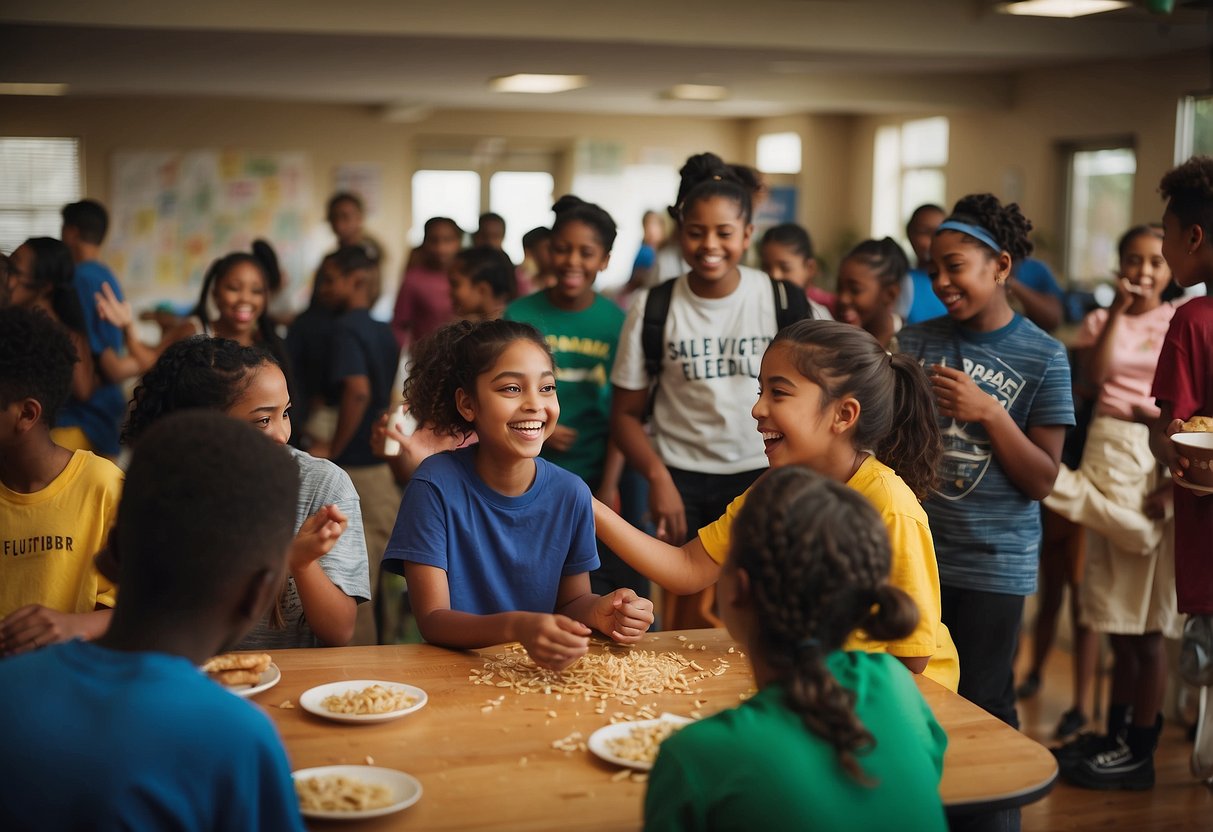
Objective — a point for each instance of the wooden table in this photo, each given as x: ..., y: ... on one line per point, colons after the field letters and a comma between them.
x: 498, y: 770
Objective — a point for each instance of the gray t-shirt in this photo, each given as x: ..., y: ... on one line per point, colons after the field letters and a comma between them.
x: 321, y: 483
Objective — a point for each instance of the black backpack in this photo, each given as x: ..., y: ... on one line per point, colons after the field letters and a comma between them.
x: 791, y: 305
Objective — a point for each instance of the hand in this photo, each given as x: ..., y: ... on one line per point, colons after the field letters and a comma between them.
x: 1126, y: 293
x: 116, y: 312
x: 416, y: 447
x: 669, y: 513
x: 554, y: 641
x: 35, y: 626
x: 624, y: 615
x: 959, y: 397
x: 1174, y: 461
x: 317, y: 536
x: 1157, y: 504
x: 562, y: 438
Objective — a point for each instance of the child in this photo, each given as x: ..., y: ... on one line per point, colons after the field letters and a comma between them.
x: 917, y: 301
x: 831, y: 399
x: 327, y: 568
x: 361, y: 369
x: 1183, y: 388
x: 494, y: 543
x: 787, y: 254
x: 56, y: 505
x: 832, y: 739
x: 40, y: 277
x: 126, y: 733
x: 582, y: 329
x: 869, y: 283
x: 490, y: 231
x: 534, y: 273
x: 423, y: 303
x: 309, y: 343
x: 1128, y: 589
x: 482, y: 283
x: 644, y: 266
x: 1003, y: 392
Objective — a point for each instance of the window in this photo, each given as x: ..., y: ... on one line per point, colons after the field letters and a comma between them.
x: 445, y: 193
x: 37, y: 178
x: 779, y: 153
x: 524, y: 200
x: 1099, y: 208
x: 907, y: 171
x: 1194, y: 132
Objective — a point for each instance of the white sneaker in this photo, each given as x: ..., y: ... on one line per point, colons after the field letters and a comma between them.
x: 1202, y: 752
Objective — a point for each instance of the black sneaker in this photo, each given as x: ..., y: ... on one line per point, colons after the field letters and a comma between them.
x: 1028, y: 687
x: 1085, y: 745
x: 1072, y: 721
x: 1116, y: 769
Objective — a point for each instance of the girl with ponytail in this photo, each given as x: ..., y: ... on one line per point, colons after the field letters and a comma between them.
x: 869, y: 286
x: 832, y: 739
x: 833, y: 400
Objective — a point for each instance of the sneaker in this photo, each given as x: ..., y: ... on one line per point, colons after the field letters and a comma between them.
x: 1028, y: 687
x: 1072, y: 721
x: 1086, y: 744
x: 1196, y: 651
x: 1202, y: 752
x: 1115, y: 769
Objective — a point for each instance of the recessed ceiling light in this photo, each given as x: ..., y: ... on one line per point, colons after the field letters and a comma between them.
x: 698, y: 92
x: 538, y: 84
x: 33, y: 89
x: 1061, y: 8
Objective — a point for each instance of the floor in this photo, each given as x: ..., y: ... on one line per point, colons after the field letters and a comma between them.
x: 1177, y: 802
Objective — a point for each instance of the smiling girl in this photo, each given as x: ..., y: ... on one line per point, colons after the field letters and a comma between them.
x: 496, y: 544
x: 1002, y: 388
x: 869, y: 285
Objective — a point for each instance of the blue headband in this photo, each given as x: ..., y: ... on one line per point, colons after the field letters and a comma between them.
x: 975, y: 231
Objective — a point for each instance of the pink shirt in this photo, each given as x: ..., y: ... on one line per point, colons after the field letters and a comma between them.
x: 1135, y: 348
x: 423, y: 304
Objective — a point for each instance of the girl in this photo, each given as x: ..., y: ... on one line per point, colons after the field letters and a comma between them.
x: 832, y: 739
x: 482, y: 283
x: 495, y: 544
x: 869, y: 284
x: 830, y: 399
x: 1003, y: 392
x: 787, y: 254
x: 328, y: 575
x: 582, y: 329
x: 1128, y: 590
x: 423, y: 303
x: 40, y: 277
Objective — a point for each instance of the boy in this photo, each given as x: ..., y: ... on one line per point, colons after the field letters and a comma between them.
x: 56, y: 505
x: 346, y: 214
x: 361, y: 369
x: 491, y: 231
x: 126, y: 733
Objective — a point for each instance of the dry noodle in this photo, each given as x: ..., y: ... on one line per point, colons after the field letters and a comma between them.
x: 338, y: 793
x: 373, y: 700
x: 641, y: 742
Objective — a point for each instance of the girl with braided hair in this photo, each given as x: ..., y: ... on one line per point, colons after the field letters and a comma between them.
x: 833, y: 739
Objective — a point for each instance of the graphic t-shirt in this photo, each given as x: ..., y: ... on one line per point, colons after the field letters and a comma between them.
x: 712, y: 352
x: 583, y: 345
x: 987, y: 531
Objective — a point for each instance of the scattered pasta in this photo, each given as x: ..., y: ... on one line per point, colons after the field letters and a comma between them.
x: 338, y: 793
x: 373, y: 700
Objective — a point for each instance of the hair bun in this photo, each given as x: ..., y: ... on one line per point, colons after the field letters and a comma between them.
x: 568, y: 202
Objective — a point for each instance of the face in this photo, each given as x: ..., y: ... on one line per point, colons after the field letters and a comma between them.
x: 1176, y: 245
x: 491, y: 233
x: 966, y: 277
x: 240, y: 296
x: 714, y: 237
x: 654, y: 229
x: 1144, y: 266
x: 265, y: 403
x: 440, y: 245
x: 22, y: 291
x: 795, y: 427
x: 783, y: 262
x: 346, y: 221
x: 577, y: 258
x: 466, y: 299
x: 514, y: 409
x: 327, y: 291
x: 921, y: 231
x: 861, y: 298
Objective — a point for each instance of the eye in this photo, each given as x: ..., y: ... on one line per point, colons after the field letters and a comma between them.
x: 548, y: 388
x: 263, y: 422
x: 511, y: 388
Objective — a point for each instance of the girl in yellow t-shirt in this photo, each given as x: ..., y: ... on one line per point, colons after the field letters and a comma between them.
x: 831, y: 399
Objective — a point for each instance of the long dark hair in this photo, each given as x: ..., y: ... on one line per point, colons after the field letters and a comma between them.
x: 54, y: 268
x: 817, y: 556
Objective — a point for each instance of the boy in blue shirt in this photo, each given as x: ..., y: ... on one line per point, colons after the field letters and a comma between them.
x: 126, y: 732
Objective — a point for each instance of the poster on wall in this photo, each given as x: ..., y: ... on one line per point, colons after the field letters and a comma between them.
x: 173, y: 213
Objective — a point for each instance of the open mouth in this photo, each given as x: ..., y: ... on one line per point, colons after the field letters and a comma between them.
x: 531, y: 429
x: 243, y: 314
x: 771, y: 439
x: 951, y: 299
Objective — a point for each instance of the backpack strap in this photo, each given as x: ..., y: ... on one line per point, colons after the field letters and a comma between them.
x: 652, y: 331
x: 791, y: 303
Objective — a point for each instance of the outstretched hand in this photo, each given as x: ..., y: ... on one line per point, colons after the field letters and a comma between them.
x: 624, y: 615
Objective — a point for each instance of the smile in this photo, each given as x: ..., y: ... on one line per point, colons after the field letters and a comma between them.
x: 531, y: 429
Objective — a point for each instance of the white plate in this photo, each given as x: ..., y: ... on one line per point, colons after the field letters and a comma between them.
x: 1191, y: 486
x: 406, y: 790
x: 269, y: 677
x: 597, y: 742
x: 310, y: 700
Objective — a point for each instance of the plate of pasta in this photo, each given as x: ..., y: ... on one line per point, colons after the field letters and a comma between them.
x: 363, y: 700
x: 353, y: 792
x: 635, y: 744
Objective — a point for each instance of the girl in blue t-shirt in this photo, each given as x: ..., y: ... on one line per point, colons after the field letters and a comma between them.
x: 1002, y: 386
x: 496, y: 544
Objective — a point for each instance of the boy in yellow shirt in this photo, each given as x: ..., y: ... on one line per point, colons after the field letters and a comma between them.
x: 56, y: 506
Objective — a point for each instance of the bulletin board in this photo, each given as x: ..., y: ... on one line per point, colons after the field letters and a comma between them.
x: 173, y: 213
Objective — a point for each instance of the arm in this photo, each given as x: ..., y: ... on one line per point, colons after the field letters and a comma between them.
x: 1042, y: 308
x: 1097, y: 360
x: 622, y: 615
x: 612, y: 469
x: 35, y: 626
x: 627, y: 431
x: 84, y: 376
x: 141, y: 356
x: 330, y: 612
x: 355, y: 399
x: 680, y: 569
x: 1030, y: 459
